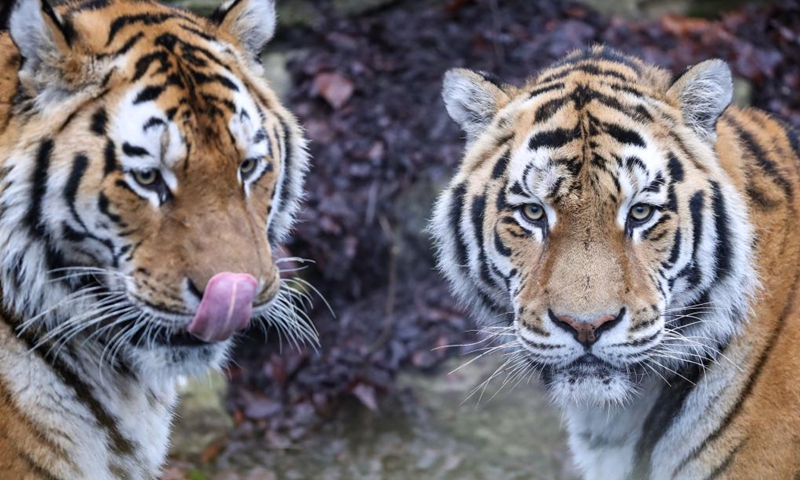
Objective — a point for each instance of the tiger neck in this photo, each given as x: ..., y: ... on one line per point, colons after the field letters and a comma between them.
x: 604, y: 440
x: 106, y: 422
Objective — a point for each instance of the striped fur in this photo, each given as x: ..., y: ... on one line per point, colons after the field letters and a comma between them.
x: 103, y: 269
x: 697, y: 375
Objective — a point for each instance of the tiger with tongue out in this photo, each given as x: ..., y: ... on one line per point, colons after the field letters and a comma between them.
x: 148, y: 172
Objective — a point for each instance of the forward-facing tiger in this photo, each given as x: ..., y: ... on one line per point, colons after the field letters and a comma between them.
x: 148, y: 173
x: 619, y: 222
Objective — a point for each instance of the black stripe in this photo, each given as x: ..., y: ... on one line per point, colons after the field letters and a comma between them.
x: 119, y: 444
x: 40, y: 471
x: 146, y: 18
x: 65, y: 26
x: 501, y: 247
x: 582, y: 95
x: 88, y: 5
x: 127, y: 46
x: 456, y: 210
x: 152, y: 122
x: 553, y: 138
x: 672, y: 199
x: 675, y: 168
x: 149, y: 93
x: 723, y: 254
x: 586, y: 68
x: 632, y: 162
x: 723, y: 467
x: 548, y: 109
x: 219, y: 14
x: 288, y: 166
x: 143, y: 64
x: 604, y: 53
x: 39, y: 188
x: 170, y: 41
x: 134, y: 150
x: 477, y: 212
x: 99, y: 121
x: 545, y: 89
x: 79, y: 166
x: 642, y: 341
x: 676, y: 249
x: 665, y: 411
x: 110, y: 158
x: 199, y: 33
x: 103, y: 204
x: 500, y: 167
x: 656, y: 184
x: 68, y: 121
x: 761, y: 157
x: 692, y: 270
x: 203, y: 79
x: 624, y: 135
x: 646, y: 234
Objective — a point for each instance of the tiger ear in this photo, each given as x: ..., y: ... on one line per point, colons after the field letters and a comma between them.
x: 472, y: 100
x: 703, y: 92
x: 252, y: 22
x: 40, y: 34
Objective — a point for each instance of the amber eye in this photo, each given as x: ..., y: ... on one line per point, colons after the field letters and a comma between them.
x: 247, y: 166
x: 641, y: 213
x: 146, y: 178
x: 533, y: 212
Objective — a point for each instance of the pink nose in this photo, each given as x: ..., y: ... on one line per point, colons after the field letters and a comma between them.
x: 226, y: 307
x: 586, y: 333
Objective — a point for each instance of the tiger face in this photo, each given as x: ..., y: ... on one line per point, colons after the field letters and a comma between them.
x: 590, y: 218
x: 149, y: 174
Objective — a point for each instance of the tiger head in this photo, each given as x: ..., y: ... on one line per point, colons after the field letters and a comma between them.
x: 149, y: 174
x: 590, y: 220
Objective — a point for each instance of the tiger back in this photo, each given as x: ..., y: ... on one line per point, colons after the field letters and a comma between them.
x: 147, y: 175
x: 634, y: 240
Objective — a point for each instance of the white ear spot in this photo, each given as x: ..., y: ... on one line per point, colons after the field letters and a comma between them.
x: 252, y: 22
x: 703, y: 93
x: 471, y: 100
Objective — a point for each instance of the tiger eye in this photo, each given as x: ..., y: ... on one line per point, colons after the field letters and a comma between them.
x: 146, y: 178
x: 247, y: 166
x: 641, y: 212
x: 533, y: 212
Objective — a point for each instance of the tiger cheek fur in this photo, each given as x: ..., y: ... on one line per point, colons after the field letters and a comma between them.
x: 148, y: 175
x: 632, y: 239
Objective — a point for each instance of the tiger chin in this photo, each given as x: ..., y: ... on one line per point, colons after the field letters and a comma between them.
x: 634, y: 239
x: 147, y: 175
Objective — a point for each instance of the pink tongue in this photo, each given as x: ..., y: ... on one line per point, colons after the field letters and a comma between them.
x: 226, y: 307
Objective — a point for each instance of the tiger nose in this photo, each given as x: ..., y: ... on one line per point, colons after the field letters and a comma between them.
x: 586, y: 333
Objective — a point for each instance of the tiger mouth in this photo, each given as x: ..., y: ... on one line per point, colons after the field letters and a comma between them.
x: 178, y: 335
x: 585, y: 366
x: 163, y: 337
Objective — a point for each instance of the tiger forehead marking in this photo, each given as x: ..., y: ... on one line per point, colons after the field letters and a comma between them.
x: 615, y: 222
x: 148, y: 174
